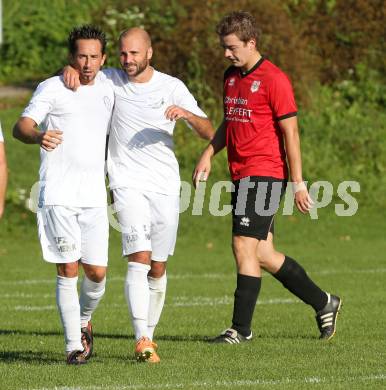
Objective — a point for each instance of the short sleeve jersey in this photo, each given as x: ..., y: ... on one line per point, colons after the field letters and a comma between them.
x: 73, y: 174
x: 141, y: 148
x: 1, y: 135
x: 254, y: 103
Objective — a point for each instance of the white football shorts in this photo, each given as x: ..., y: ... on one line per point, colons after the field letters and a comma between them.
x: 69, y: 234
x: 148, y: 221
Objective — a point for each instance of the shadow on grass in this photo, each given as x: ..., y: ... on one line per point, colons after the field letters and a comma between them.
x: 22, y: 332
x: 39, y: 358
x: 173, y: 338
x: 29, y: 357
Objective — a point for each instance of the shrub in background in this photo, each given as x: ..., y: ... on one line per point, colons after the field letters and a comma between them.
x: 332, y: 50
x: 35, y: 36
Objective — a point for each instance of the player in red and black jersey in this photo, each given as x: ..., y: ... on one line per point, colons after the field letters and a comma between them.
x: 260, y: 132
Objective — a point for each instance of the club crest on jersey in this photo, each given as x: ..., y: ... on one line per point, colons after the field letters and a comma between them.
x: 255, y: 86
x: 155, y: 102
x: 245, y: 221
x: 231, y: 82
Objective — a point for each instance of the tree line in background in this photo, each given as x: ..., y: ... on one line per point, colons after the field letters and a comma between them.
x: 333, y: 50
x: 313, y: 40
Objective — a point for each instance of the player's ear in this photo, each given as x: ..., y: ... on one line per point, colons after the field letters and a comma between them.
x: 71, y: 59
x: 149, y: 53
x: 252, y: 43
x: 103, y: 59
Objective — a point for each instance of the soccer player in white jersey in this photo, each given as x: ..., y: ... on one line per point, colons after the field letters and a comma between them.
x: 144, y: 175
x: 3, y: 173
x: 72, y: 217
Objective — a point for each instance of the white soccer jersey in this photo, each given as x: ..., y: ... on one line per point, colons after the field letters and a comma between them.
x: 141, y: 148
x: 1, y: 135
x: 73, y: 173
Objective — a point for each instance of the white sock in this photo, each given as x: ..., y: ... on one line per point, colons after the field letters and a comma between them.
x: 157, y: 287
x: 68, y: 304
x: 137, y: 297
x: 90, y: 295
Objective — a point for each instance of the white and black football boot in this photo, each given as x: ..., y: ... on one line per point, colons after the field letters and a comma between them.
x: 231, y: 336
x: 326, y: 318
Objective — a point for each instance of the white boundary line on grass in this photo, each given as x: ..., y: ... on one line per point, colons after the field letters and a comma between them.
x: 198, y: 276
x: 225, y: 300
x: 34, y: 308
x: 179, y: 302
x: 25, y: 295
x: 225, y: 384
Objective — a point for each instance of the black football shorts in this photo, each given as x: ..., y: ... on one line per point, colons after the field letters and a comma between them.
x: 255, y: 202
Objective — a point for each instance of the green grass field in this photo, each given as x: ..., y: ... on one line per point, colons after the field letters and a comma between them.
x: 344, y: 255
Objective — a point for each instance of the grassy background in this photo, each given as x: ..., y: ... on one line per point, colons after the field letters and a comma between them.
x: 339, y: 76
x: 344, y: 255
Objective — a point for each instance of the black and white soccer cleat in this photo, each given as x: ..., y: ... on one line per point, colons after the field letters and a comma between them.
x: 231, y: 336
x: 326, y: 318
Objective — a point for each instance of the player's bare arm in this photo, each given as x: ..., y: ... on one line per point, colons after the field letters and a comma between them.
x: 290, y: 130
x: 3, y: 177
x: 202, y: 170
x: 25, y: 130
x: 201, y: 125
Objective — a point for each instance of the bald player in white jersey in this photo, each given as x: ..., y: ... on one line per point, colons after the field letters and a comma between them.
x: 144, y: 175
x: 72, y: 216
x: 3, y: 173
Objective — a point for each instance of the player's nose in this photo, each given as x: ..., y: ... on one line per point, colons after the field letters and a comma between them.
x: 227, y: 53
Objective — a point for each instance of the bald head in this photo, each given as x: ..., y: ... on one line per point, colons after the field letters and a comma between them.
x: 136, y: 34
x: 135, y: 53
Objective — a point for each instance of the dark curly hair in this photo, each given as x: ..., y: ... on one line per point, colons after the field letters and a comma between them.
x: 86, y: 32
x: 240, y: 23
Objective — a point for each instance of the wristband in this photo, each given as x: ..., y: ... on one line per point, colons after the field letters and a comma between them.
x: 301, y: 186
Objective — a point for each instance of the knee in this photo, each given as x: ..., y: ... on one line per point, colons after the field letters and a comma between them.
x: 264, y: 260
x: 260, y: 259
x: 96, y: 275
x: 158, y: 269
x: 244, y: 250
x: 265, y: 256
x: 67, y: 270
x: 238, y: 246
x: 140, y: 257
x: 270, y: 260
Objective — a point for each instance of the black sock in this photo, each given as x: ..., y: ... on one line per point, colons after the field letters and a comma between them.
x: 294, y: 278
x: 247, y: 290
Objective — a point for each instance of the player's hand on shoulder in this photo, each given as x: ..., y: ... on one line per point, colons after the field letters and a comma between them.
x: 174, y: 113
x: 50, y: 139
x: 71, y: 78
x: 303, y: 199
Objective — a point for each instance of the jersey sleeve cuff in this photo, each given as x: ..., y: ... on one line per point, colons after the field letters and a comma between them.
x: 289, y: 115
x: 34, y: 117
